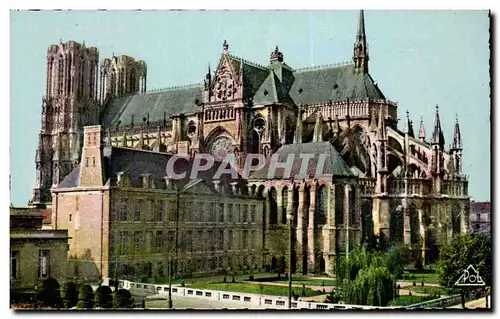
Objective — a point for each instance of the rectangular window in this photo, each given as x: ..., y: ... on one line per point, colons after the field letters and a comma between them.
x: 199, y: 236
x: 229, y: 239
x: 93, y: 161
x: 44, y: 264
x: 123, y: 242
x: 244, y: 209
x: 230, y: 213
x: 189, y: 241
x: 221, y: 213
x: 159, y: 241
x: 14, y: 264
x: 237, y: 213
x: 244, y: 240
x: 86, y: 162
x: 70, y: 216
x: 212, y: 211
x: 138, y: 240
x: 170, y: 239
x: 172, y: 211
x: 137, y: 210
x: 253, y: 213
x: 210, y: 240
x: 159, y: 212
x: 124, y: 210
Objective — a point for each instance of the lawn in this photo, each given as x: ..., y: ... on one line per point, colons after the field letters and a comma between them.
x: 406, y: 300
x: 212, y: 279
x: 430, y: 290
x: 299, y: 280
x: 254, y: 289
x: 426, y: 276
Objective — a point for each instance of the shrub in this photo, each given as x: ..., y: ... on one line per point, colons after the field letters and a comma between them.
x: 224, y: 280
x: 103, y: 297
x: 85, y: 297
x: 414, y: 284
x: 233, y: 280
x: 122, y: 299
x: 251, y: 278
x: 333, y: 297
x: 422, y: 283
x: 303, y: 290
x: 182, y: 283
x: 49, y: 294
x: 409, y: 293
x: 70, y: 294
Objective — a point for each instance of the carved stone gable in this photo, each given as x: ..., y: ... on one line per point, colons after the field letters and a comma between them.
x: 226, y: 86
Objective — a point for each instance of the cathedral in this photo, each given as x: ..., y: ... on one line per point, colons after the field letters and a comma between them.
x: 103, y: 133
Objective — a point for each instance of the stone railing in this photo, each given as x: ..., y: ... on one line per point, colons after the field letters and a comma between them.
x: 366, y: 186
x: 454, y: 188
x: 415, y: 186
x: 355, y: 109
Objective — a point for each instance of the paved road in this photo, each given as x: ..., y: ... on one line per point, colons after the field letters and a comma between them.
x: 181, y: 302
x: 478, y: 303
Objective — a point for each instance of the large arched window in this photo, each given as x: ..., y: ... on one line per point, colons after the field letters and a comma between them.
x: 414, y: 225
x: 353, y: 220
x: 397, y: 225
x: 284, y: 204
x: 339, y: 204
x: 320, y: 215
x: 274, y: 206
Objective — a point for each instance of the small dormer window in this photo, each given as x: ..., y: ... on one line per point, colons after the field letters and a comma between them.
x: 300, y: 91
x: 265, y: 92
x: 335, y: 86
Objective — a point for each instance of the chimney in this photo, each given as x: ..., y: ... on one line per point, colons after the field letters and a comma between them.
x: 233, y: 188
x: 216, y: 185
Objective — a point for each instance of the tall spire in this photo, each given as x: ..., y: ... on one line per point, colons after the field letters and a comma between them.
x: 457, y: 138
x: 410, y: 124
x: 421, y: 132
x: 297, y: 139
x: 437, y: 134
x: 360, y: 56
x: 318, y: 128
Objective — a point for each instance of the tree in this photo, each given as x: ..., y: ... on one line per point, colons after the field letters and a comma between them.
x: 70, y: 294
x: 454, y: 259
x: 123, y: 299
x: 373, y: 286
x: 85, y: 297
x: 397, y: 257
x: 103, y: 297
x: 333, y: 297
x: 49, y: 294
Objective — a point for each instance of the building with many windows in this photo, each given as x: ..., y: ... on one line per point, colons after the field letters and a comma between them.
x: 480, y: 217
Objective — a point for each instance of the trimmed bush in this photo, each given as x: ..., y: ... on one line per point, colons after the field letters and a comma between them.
x: 414, y: 284
x: 224, y: 280
x: 49, y: 294
x: 422, y: 283
x: 85, y: 297
x: 233, y: 280
x: 70, y: 294
x: 103, y: 297
x: 123, y: 299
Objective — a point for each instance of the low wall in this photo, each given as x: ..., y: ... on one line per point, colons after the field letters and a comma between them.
x: 264, y: 301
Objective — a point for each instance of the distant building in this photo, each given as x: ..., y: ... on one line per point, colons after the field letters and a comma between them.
x: 480, y: 217
x: 35, y: 253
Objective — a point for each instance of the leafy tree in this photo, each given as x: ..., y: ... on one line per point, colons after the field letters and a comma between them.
x: 103, y: 297
x: 49, y: 294
x: 395, y: 260
x: 373, y: 286
x: 458, y: 255
x: 70, y: 294
x: 123, y: 299
x: 85, y: 297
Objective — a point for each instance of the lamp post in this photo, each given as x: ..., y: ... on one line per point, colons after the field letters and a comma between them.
x: 290, y: 248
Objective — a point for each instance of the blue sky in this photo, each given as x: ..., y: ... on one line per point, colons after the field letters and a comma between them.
x: 418, y: 58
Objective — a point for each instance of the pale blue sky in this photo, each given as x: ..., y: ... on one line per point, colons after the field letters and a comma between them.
x: 418, y: 58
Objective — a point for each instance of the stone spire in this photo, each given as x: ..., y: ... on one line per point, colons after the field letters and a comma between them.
x: 360, y: 56
x: 437, y: 134
x: 297, y: 139
x: 381, y: 126
x: 318, y: 128
x: 208, y: 79
x: 410, y: 125
x: 225, y: 47
x: 457, y: 138
x: 421, y: 132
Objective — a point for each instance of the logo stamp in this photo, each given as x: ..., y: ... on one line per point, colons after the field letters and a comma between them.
x: 470, y: 277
